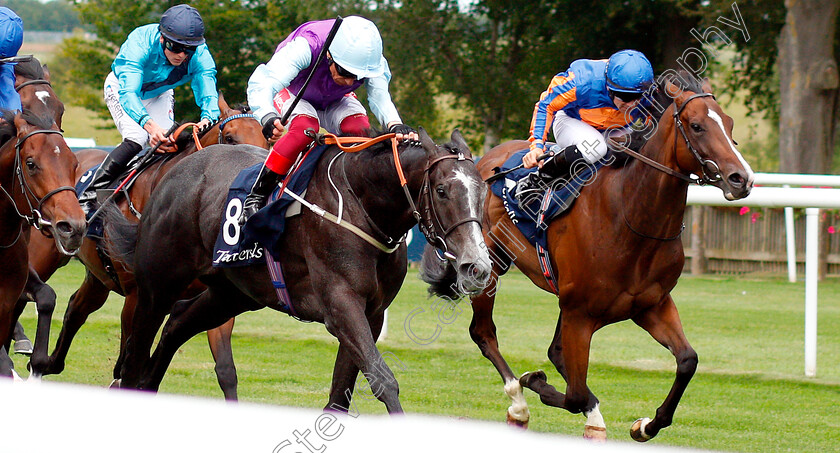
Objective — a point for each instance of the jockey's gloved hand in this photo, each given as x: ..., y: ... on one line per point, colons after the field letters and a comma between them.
x: 268, y: 125
x: 399, y: 128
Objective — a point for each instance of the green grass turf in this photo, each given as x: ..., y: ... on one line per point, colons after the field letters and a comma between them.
x: 749, y: 394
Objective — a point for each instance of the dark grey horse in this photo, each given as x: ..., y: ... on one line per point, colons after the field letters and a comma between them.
x: 333, y: 275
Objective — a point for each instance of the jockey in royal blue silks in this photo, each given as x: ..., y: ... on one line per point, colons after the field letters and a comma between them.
x: 153, y: 60
x: 354, y: 58
x: 11, y: 38
x: 581, y: 107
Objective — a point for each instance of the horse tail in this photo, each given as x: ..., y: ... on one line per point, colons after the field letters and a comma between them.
x: 121, y: 234
x: 441, y: 276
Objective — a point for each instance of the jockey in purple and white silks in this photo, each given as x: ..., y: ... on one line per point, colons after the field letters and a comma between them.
x: 11, y: 38
x: 153, y: 60
x: 581, y: 106
x: 354, y: 58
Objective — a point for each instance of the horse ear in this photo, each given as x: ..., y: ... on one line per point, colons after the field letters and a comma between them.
x: 428, y: 144
x: 674, y: 92
x: 223, y: 105
x: 459, y: 142
x: 707, y: 85
x: 46, y: 73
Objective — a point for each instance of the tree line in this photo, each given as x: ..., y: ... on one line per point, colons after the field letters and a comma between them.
x: 482, y: 65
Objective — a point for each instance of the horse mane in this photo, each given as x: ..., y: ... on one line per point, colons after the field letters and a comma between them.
x: 31, y: 69
x: 657, y: 99
x: 8, y: 129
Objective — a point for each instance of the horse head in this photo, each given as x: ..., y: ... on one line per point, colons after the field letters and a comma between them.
x: 236, y: 126
x: 44, y: 175
x: 32, y: 82
x: 451, y: 208
x: 704, y: 144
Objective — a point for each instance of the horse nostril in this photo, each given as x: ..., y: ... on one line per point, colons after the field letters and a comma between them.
x: 736, y: 180
x: 64, y: 228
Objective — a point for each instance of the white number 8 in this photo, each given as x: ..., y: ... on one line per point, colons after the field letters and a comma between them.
x: 232, y: 213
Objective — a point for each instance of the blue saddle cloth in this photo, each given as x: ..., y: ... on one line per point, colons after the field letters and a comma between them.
x: 235, y: 247
x: 533, y: 216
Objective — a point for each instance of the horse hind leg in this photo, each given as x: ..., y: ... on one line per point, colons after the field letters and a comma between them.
x: 220, y: 347
x: 483, y: 333
x: 209, y: 309
x: 569, y: 352
x: 663, y: 324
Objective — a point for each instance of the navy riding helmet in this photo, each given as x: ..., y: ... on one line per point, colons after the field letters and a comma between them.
x: 182, y: 24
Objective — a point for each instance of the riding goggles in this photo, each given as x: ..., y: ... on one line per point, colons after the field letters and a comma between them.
x: 341, y: 71
x: 175, y: 47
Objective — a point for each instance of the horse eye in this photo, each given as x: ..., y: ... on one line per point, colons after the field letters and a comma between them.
x: 229, y: 140
x: 30, y: 164
x: 440, y: 191
x: 696, y: 127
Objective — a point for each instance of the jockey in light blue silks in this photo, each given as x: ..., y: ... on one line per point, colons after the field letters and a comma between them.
x: 591, y: 99
x: 11, y: 38
x: 354, y: 58
x: 153, y: 60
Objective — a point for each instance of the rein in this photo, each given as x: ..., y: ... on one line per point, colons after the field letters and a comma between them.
x: 35, y: 219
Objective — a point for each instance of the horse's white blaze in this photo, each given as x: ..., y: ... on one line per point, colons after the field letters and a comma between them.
x: 518, y: 407
x: 594, y: 417
x: 713, y: 115
x: 43, y: 96
x: 473, y: 193
x: 57, y: 150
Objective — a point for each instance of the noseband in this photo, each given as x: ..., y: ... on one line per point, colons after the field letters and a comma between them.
x: 35, y: 219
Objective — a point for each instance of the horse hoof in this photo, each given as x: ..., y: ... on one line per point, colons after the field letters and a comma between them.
x: 528, y: 378
x: 115, y: 384
x: 23, y: 347
x: 637, y: 431
x: 516, y: 422
x: 595, y: 434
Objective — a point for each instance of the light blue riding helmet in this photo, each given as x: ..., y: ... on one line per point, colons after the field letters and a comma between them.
x: 629, y: 71
x: 357, y: 47
x: 11, y: 32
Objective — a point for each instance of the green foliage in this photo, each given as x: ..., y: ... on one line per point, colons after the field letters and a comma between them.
x: 53, y: 16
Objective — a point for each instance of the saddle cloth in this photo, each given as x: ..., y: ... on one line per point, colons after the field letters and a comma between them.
x: 95, y: 227
x: 237, y: 246
x: 533, y: 216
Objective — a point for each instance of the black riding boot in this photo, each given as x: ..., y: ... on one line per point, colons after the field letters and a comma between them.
x: 265, y: 184
x: 111, y: 167
x: 537, y: 182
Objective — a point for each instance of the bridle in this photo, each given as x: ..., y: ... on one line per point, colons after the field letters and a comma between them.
x: 33, y: 82
x: 704, y: 163
x: 706, y: 178
x: 35, y: 219
x: 429, y: 221
x: 231, y: 118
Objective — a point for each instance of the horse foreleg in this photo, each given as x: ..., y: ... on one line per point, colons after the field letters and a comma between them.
x: 483, y: 333
x: 90, y: 297
x: 662, y: 322
x: 44, y: 298
x: 220, y: 347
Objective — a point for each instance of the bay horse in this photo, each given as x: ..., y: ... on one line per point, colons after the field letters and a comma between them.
x: 104, y: 274
x: 616, y: 254
x: 333, y: 275
x: 36, y: 176
x: 33, y: 85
